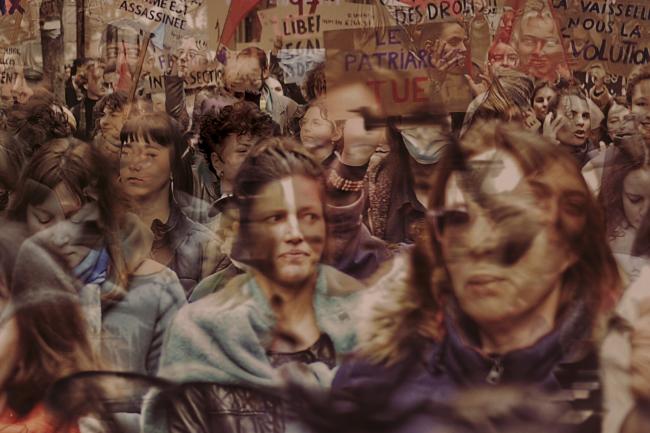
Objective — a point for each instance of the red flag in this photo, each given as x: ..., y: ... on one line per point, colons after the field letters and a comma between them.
x: 124, y: 74
x: 237, y: 12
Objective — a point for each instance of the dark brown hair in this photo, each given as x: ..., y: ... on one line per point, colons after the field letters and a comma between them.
x: 81, y: 168
x: 52, y: 336
x: 642, y: 75
x: 611, y: 191
x: 35, y: 122
x: 167, y: 132
x: 416, y: 310
x: 270, y: 160
x: 239, y: 118
x: 594, y: 278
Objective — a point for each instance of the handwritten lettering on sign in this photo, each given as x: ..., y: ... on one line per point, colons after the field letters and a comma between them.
x: 427, y: 11
x: 400, y: 78
x: 305, y: 30
x: 614, y: 34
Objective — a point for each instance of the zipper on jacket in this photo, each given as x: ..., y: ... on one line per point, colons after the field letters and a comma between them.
x: 495, y: 373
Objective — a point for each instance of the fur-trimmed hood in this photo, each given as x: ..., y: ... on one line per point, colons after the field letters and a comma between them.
x: 395, y: 315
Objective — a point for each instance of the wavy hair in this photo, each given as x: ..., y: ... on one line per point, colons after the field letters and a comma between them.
x: 413, y: 308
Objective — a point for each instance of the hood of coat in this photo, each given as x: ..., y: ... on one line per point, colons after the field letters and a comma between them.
x: 397, y: 317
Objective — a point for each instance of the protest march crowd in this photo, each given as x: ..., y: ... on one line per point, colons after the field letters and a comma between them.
x: 326, y: 216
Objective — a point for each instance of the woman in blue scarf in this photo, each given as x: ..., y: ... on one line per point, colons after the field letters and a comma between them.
x: 70, y: 205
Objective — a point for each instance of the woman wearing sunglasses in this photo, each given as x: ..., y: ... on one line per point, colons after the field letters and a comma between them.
x: 512, y: 286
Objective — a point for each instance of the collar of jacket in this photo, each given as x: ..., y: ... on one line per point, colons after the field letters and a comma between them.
x: 332, y: 311
x: 468, y: 365
x: 172, y: 232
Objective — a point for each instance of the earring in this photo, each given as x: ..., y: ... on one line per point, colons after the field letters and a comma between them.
x: 171, y: 187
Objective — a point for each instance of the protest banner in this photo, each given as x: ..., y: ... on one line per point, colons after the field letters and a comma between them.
x: 616, y: 35
x: 208, y: 75
x: 403, y: 78
x: 18, y: 22
x: 296, y: 63
x: 302, y: 25
x: 405, y: 12
x: 173, y: 20
x: 529, y: 30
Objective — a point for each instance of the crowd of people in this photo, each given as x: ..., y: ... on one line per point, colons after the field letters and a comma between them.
x: 242, y: 259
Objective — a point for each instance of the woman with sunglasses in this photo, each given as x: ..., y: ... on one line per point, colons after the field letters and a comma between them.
x: 512, y: 287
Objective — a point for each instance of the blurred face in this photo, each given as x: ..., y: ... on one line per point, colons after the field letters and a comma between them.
x: 288, y: 227
x: 539, y: 47
x: 189, y: 57
x: 504, y: 56
x: 578, y: 115
x: 456, y: 38
x: 506, y: 23
x: 95, y: 76
x: 110, y: 125
x: 233, y: 152
x: 317, y: 134
x: 540, y: 102
x: 616, y: 119
x: 60, y: 204
x: 505, y: 241
x: 57, y: 221
x: 145, y: 169
x: 636, y: 196
x: 243, y: 74
x: 598, y: 75
x: 20, y: 91
x: 274, y: 85
x: 641, y: 107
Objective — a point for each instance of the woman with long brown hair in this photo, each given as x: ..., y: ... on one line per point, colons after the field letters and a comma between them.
x: 43, y: 336
x: 512, y: 285
x: 72, y: 206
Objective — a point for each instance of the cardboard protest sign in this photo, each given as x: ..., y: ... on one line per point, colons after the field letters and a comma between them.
x: 303, y: 25
x: 615, y: 35
x: 207, y: 76
x: 529, y: 30
x: 401, y: 12
x: 403, y: 77
x: 296, y: 63
x: 172, y: 20
x: 18, y: 22
x: 20, y: 49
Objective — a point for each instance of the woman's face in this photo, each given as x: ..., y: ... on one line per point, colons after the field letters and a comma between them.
x: 616, y: 119
x: 506, y: 252
x: 288, y: 224
x: 316, y: 132
x: 636, y: 196
x: 145, y: 169
x: 60, y: 204
x: 576, y: 111
x: 58, y: 223
x: 540, y: 102
x: 110, y: 125
x: 641, y: 107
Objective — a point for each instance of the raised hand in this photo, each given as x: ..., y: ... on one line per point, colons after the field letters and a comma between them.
x: 441, y: 59
x: 359, y: 144
x: 552, y: 125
